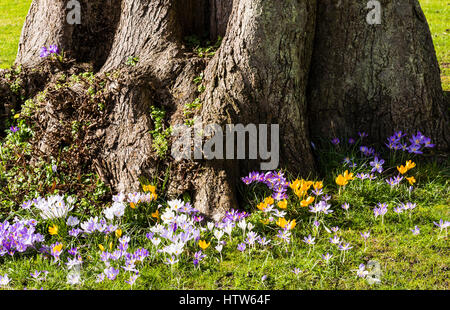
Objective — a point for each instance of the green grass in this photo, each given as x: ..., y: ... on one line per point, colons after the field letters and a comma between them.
x: 12, y: 17
x: 438, y: 16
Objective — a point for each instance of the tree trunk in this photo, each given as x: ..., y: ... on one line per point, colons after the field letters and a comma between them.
x: 259, y: 75
x: 89, y: 41
x: 377, y: 78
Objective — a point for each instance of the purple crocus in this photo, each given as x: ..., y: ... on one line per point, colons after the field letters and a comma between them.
x: 415, y: 149
x: 394, y: 181
x: 309, y: 240
x: 14, y: 129
x: 326, y: 257
x: 377, y: 165
x: 111, y: 273
x: 44, y: 52
x: 53, y: 49
x: 335, y: 141
x: 241, y: 247
x: 427, y: 143
x: 363, y: 134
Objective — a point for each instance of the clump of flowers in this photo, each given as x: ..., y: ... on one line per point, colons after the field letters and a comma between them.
x: 417, y: 143
x: 377, y: 164
x: 381, y: 210
x: 301, y: 187
x: 342, y: 179
x: 52, y: 50
x: 18, y: 237
x: 53, y: 207
x: 274, y: 180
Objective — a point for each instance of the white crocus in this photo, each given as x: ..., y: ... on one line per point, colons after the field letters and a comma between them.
x: 242, y: 225
x: 54, y: 207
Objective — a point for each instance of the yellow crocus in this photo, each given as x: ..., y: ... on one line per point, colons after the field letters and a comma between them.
x: 402, y: 169
x: 292, y: 224
x: 57, y: 248
x: 410, y: 164
x: 283, y: 223
x: 102, y: 248
x: 261, y: 206
x: 155, y: 214
x: 203, y: 245
x: 269, y: 201
x: 348, y: 176
x: 307, y: 201
x: 265, y: 222
x: 118, y: 233
x: 295, y: 185
x: 411, y: 180
x: 282, y: 204
x: 318, y: 185
x: 53, y: 230
x: 149, y: 188
x: 341, y: 180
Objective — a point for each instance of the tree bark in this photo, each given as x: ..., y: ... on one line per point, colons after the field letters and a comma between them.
x: 375, y: 78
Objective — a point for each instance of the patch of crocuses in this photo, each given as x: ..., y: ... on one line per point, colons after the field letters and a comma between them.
x: 178, y: 232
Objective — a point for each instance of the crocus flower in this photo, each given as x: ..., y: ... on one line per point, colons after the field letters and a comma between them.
x: 345, y: 247
x: 362, y: 272
x: 427, y: 143
x: 4, y: 280
x: 111, y: 273
x: 411, y: 180
x: 415, y: 230
x: 327, y: 257
x: 335, y: 229
x: 56, y: 250
x: 203, y: 245
x: 132, y: 279
x: 72, y: 221
x: 53, y: 230
x: 335, y: 240
x: 53, y: 49
x: 363, y: 134
x: 365, y: 235
x: 241, y: 247
x: 309, y: 240
x: 346, y: 206
x: 415, y: 148
x: 377, y: 165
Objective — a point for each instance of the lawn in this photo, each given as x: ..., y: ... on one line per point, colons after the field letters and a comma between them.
x: 12, y: 17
